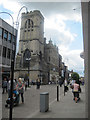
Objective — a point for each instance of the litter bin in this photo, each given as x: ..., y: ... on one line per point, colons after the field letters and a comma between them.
x: 44, y: 102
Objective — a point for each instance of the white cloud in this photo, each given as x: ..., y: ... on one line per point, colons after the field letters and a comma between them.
x: 10, y: 5
x: 72, y: 59
x: 1, y: 1
x: 55, y: 27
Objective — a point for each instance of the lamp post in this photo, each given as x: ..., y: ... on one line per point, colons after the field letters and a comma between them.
x: 57, y: 91
x: 12, y: 63
x: 64, y: 78
x: 28, y: 59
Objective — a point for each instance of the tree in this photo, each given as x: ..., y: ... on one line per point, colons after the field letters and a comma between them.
x: 75, y: 76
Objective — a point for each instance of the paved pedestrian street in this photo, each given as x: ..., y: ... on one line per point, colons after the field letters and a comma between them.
x: 32, y: 101
x: 61, y: 109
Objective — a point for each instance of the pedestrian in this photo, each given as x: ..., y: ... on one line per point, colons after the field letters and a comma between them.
x: 9, y: 86
x: 4, y: 85
x: 26, y: 84
x: 38, y: 83
x: 78, y: 82
x: 76, y: 91
x: 20, y: 86
x: 60, y: 82
x: 65, y: 86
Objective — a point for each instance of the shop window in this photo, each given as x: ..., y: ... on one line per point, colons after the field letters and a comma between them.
x: 0, y: 49
x: 13, y: 39
x: 8, y: 53
x: 4, y: 52
x: 0, y: 32
x: 5, y: 35
x: 9, y: 37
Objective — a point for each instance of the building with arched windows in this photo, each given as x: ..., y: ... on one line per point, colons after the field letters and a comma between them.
x: 35, y: 57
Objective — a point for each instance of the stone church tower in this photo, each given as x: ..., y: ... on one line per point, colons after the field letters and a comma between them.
x: 30, y: 58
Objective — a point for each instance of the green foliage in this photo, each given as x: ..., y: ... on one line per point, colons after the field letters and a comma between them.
x: 75, y: 76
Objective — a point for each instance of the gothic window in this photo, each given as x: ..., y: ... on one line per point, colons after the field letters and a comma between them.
x: 49, y: 59
x: 40, y: 55
x: 26, y: 24
x: 32, y: 24
x: 29, y: 23
x: 26, y: 58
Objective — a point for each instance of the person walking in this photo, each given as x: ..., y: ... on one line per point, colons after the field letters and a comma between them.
x: 65, y: 86
x: 9, y: 86
x: 38, y: 83
x: 76, y: 91
x: 20, y: 86
x: 4, y: 85
x: 26, y: 84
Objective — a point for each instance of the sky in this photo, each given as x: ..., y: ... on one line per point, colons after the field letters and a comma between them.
x: 62, y: 23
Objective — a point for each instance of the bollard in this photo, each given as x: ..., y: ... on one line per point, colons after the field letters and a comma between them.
x: 64, y: 90
x: 44, y: 102
x: 57, y: 93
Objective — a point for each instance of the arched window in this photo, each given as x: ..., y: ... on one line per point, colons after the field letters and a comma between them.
x: 29, y: 23
x: 26, y: 24
x: 26, y: 58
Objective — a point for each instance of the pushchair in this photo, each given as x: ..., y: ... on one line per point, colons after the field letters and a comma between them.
x: 15, y: 99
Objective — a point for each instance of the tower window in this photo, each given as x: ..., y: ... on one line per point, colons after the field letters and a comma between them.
x: 29, y: 23
x: 49, y: 59
x: 26, y: 24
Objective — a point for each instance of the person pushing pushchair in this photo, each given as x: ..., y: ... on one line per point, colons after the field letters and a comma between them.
x: 15, y: 95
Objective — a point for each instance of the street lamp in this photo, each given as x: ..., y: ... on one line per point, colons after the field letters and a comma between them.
x: 28, y: 59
